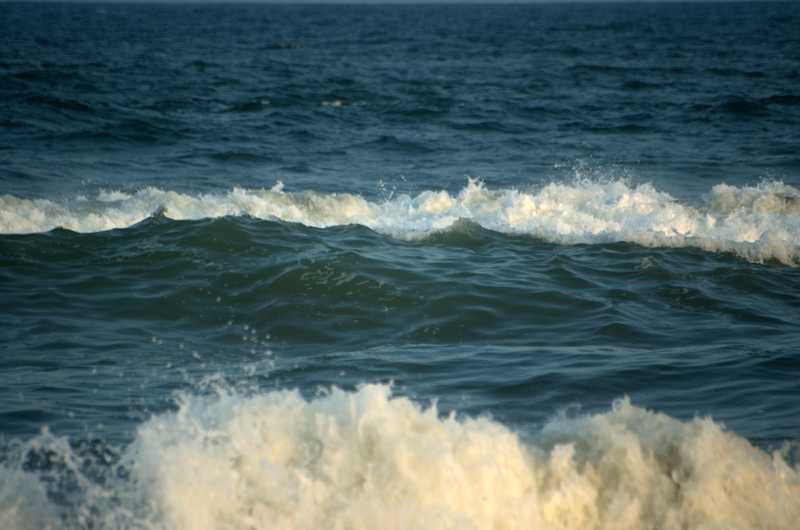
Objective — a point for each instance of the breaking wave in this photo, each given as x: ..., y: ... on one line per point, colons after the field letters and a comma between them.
x: 367, y: 459
x: 758, y: 223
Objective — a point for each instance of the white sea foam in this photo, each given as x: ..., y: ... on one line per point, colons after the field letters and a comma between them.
x: 756, y: 222
x: 367, y: 460
x: 23, y: 502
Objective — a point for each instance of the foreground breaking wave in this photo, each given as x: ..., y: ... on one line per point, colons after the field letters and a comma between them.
x: 758, y: 223
x: 366, y: 460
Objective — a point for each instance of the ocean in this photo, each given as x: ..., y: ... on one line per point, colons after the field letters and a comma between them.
x: 400, y: 266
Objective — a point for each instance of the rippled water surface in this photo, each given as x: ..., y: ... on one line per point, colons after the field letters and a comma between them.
x: 463, y: 266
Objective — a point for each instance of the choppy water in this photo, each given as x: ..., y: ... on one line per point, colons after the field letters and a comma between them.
x: 400, y: 267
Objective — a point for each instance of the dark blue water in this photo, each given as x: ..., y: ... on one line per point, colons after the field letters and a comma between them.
x: 457, y: 266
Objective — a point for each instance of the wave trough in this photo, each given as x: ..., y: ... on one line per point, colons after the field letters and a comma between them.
x: 757, y: 223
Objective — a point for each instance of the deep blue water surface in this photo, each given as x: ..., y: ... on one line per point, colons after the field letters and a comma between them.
x: 522, y: 212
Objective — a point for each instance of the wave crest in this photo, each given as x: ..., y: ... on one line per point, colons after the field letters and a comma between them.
x: 756, y: 222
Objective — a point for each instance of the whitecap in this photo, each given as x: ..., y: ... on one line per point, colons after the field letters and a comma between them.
x: 756, y: 222
x: 367, y: 459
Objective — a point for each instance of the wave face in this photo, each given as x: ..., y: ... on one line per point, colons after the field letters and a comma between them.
x: 366, y: 459
x: 756, y: 222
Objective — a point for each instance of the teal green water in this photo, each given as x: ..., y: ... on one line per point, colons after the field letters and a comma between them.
x: 482, y: 321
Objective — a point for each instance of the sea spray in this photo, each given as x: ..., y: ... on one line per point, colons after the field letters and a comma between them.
x: 757, y: 223
x: 367, y: 459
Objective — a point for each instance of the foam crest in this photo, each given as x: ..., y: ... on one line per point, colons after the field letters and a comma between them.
x: 367, y: 459
x: 756, y: 222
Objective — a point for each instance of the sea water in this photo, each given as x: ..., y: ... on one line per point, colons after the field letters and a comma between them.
x: 400, y: 267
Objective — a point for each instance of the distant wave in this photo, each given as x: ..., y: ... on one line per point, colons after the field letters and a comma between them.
x: 367, y: 459
x: 758, y: 223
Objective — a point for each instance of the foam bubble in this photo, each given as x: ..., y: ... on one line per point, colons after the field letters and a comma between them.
x: 756, y: 222
x: 367, y: 459
x: 23, y: 502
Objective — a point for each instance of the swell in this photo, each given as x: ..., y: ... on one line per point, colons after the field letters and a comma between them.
x: 356, y: 288
x: 758, y: 223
